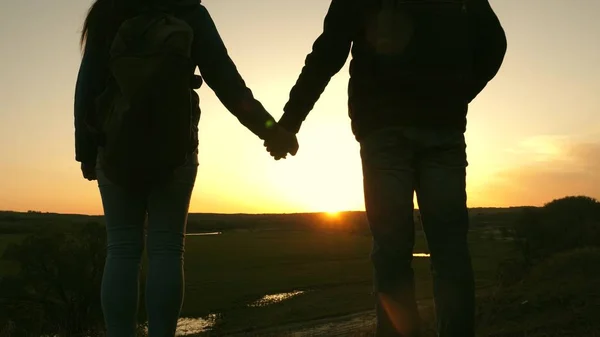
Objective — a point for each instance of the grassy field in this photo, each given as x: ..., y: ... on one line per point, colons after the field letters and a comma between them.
x: 8, y: 268
x: 325, y: 262
x: 226, y: 273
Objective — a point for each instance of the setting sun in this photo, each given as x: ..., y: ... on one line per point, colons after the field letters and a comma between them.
x: 333, y: 214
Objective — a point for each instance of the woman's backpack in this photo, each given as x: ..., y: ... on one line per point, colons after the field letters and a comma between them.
x: 145, y: 113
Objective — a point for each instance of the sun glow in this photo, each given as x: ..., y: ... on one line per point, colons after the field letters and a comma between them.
x: 332, y: 214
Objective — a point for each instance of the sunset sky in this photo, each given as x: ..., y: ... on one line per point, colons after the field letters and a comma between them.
x: 533, y: 134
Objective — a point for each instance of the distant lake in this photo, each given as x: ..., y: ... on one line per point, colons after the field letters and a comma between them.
x: 219, y: 233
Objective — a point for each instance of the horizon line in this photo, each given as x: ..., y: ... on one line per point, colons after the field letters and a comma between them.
x: 261, y: 213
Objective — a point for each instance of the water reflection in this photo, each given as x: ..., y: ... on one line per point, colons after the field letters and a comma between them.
x: 274, y: 298
x: 203, y: 234
x: 421, y: 255
x: 192, y: 326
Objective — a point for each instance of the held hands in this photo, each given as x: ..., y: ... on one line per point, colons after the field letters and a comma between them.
x: 281, y: 142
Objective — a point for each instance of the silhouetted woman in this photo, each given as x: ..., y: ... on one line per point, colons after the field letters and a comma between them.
x: 165, y: 206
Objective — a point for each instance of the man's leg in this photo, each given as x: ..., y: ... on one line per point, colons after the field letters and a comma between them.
x: 389, y: 186
x: 441, y: 175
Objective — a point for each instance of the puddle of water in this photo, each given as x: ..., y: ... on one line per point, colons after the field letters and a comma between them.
x: 193, y: 326
x: 421, y: 255
x: 274, y: 298
x: 203, y: 234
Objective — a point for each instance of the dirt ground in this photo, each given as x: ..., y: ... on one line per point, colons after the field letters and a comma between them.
x: 358, y: 324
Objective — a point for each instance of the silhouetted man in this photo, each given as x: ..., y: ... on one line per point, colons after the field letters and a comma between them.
x: 416, y: 66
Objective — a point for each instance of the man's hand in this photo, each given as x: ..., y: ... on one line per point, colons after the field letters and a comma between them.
x: 281, y: 142
x: 89, y: 171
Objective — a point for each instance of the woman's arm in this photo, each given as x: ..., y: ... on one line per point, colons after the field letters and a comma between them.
x: 221, y: 75
x: 91, y: 81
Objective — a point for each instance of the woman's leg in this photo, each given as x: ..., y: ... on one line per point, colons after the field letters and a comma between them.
x: 167, y: 217
x: 125, y: 214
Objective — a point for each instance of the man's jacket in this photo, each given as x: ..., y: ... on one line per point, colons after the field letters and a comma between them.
x: 374, y: 102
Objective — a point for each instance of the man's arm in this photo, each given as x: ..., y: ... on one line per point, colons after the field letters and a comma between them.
x: 221, y: 75
x: 329, y: 54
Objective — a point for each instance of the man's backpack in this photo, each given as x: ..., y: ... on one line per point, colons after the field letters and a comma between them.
x: 423, y: 43
x: 145, y: 114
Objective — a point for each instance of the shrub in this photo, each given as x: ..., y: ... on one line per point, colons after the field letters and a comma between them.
x: 57, y: 288
x: 558, y: 297
x: 558, y: 226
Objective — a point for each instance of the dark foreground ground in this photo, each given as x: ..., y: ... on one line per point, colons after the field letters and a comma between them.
x: 310, y: 275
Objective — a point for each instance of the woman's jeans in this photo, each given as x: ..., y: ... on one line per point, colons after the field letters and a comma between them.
x: 166, y: 209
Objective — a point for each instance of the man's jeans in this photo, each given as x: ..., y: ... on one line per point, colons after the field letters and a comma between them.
x: 396, y: 163
x: 165, y: 209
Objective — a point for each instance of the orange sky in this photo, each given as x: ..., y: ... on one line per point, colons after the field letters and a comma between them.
x: 533, y: 135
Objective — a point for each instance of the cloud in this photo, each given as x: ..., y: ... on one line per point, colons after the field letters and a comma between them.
x: 551, y: 168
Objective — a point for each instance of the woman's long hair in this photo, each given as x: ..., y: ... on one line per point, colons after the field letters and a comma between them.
x: 104, y: 19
